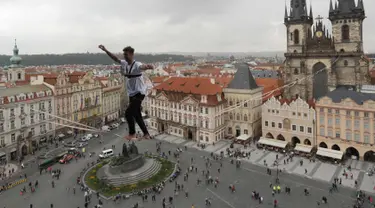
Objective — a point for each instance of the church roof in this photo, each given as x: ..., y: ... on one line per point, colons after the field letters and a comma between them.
x: 243, y: 79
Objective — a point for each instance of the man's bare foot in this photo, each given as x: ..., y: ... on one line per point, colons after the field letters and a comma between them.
x: 130, y: 137
x: 146, y: 136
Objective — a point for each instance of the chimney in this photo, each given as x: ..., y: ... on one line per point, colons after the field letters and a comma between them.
x: 212, y: 80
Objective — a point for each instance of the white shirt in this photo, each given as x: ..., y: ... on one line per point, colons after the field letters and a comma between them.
x: 134, y: 85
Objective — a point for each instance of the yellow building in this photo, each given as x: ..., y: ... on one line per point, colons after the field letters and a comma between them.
x: 87, y: 98
x: 346, y: 123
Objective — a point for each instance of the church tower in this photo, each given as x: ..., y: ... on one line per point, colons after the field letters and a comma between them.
x: 318, y: 60
x: 15, y: 70
x: 298, y: 24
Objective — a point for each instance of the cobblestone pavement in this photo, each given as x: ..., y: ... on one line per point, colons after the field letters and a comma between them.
x: 250, y: 177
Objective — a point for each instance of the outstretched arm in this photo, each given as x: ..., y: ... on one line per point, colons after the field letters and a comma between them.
x: 145, y: 67
x: 111, y: 55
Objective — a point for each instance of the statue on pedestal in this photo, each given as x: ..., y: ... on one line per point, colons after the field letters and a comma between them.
x: 125, y: 151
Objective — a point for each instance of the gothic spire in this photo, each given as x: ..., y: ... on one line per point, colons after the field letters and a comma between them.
x: 299, y: 12
x: 360, y: 5
x: 311, y: 12
x: 286, y: 14
x: 330, y: 6
x: 347, y: 9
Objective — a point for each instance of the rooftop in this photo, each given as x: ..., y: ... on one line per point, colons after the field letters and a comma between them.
x: 22, y: 89
x: 191, y: 85
x: 339, y: 94
x: 243, y: 79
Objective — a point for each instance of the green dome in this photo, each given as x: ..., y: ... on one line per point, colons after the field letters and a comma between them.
x: 15, y: 59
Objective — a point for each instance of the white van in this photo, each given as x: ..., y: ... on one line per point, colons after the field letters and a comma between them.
x: 106, y: 153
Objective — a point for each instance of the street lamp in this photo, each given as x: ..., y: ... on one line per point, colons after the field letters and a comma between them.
x: 277, y: 172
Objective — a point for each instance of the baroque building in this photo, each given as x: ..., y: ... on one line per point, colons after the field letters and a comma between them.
x: 245, y: 97
x: 191, y: 108
x: 86, y: 98
x: 292, y: 121
x: 25, y: 123
x: 112, y: 97
x: 346, y: 123
x: 326, y: 59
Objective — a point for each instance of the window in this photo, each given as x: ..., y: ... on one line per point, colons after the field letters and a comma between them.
x: 13, y: 138
x: 273, y: 124
x: 321, y: 110
x: 266, y: 123
x: 2, y: 141
x: 296, y: 37
x: 356, y: 124
x: 200, y: 137
x: 207, y: 126
x: 345, y: 33
x: 365, y: 114
x: 295, y: 71
x: 329, y: 121
x: 321, y: 120
x: 337, y: 135
x: 32, y: 131
x: 245, y: 131
x: 366, y: 139
x: 301, y: 129
x: 345, y: 63
x: 280, y: 125
x: 329, y: 110
x: 19, y: 76
x: 245, y: 117
x: 349, y: 136
x: 366, y: 125
x: 356, y: 113
x: 12, y: 125
x: 206, y: 109
x: 348, y: 113
x: 309, y: 130
x: 12, y: 112
x: 1, y: 127
x: 337, y: 112
x: 337, y: 121
x: 229, y: 130
x: 356, y: 137
x: 50, y: 126
x: 330, y: 133
x: 321, y: 131
x: 294, y: 127
x: 23, y: 122
x: 348, y: 124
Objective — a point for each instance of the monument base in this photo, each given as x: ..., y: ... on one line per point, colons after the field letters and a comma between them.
x: 127, y: 165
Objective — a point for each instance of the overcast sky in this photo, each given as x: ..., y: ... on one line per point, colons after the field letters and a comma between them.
x: 63, y: 26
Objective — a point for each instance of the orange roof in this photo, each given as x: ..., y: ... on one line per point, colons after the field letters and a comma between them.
x: 159, y: 79
x: 75, y: 76
x: 270, y: 84
x: 190, y: 85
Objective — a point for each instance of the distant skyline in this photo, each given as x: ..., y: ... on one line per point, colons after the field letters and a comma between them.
x: 67, y: 26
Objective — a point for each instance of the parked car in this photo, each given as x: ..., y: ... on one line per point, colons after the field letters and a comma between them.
x: 66, y: 158
x: 82, y: 144
x: 70, y: 144
x: 106, y: 128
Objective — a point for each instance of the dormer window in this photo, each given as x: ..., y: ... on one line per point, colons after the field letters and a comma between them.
x: 204, y: 99
x: 218, y: 97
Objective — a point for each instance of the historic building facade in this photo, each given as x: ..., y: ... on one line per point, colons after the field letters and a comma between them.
x: 112, y: 97
x: 62, y: 89
x: 86, y: 98
x: 346, y: 122
x: 245, y: 97
x: 325, y: 59
x: 289, y: 120
x: 23, y: 124
x: 191, y: 108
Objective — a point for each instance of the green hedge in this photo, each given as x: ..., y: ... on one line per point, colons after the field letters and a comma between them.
x: 108, y: 190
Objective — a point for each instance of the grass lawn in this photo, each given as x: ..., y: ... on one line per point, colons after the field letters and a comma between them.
x: 108, y: 190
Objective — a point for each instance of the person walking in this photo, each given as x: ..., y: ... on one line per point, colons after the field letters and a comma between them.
x: 136, y: 87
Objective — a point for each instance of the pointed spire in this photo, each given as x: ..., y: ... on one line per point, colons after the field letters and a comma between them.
x: 337, y: 5
x: 286, y: 14
x: 330, y: 6
x: 311, y: 12
x: 360, y: 4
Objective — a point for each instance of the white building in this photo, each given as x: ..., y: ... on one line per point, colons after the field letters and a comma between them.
x: 245, y: 98
x: 23, y: 125
x: 191, y: 108
x: 292, y: 121
x: 112, y: 95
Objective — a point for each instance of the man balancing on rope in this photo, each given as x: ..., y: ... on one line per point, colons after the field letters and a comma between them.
x: 136, y: 88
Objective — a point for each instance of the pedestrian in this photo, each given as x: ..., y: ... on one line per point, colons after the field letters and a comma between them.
x: 136, y: 89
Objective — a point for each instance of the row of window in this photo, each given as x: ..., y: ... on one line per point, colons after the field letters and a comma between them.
x: 293, y: 113
x: 172, y: 105
x: 301, y: 129
x: 348, y: 135
x: 348, y: 112
x: 348, y: 123
x: 42, y: 130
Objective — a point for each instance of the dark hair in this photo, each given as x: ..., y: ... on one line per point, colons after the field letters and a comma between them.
x: 129, y: 49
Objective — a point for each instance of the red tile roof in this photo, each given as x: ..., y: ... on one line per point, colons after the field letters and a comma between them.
x: 270, y: 84
x: 159, y: 79
x: 191, y: 85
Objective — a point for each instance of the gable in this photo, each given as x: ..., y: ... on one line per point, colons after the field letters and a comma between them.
x: 189, y: 100
x: 162, y: 96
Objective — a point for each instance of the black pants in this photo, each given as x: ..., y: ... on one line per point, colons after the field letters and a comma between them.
x: 133, y: 112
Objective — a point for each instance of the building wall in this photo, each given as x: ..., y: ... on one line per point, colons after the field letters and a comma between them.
x: 346, y: 124
x: 247, y: 118
x: 111, y: 103
x: 24, y: 125
x: 289, y: 122
x: 189, y: 119
x: 63, y: 103
x: 87, y: 99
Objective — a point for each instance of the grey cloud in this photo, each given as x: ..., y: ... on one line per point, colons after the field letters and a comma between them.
x: 60, y: 26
